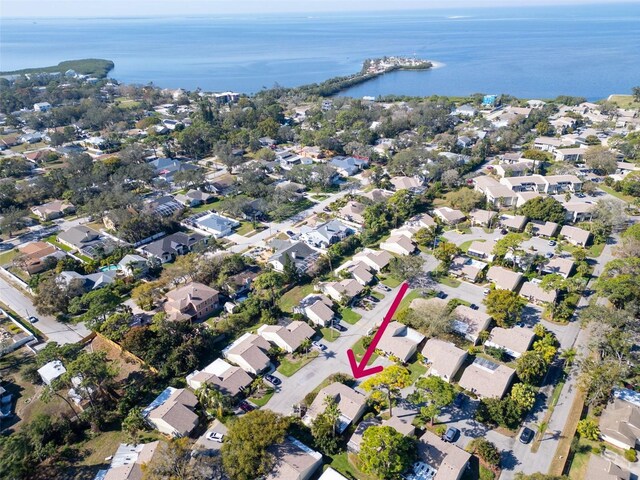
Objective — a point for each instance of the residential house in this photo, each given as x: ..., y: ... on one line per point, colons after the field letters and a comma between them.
x: 249, y: 352
x: 465, y: 111
x: 325, y: 234
x: 443, y: 358
x: 573, y: 155
x: 377, y: 260
x: 84, y: 239
x: 331, y: 474
x: 166, y: 168
x: 193, y: 198
x: 41, y: 107
x: 216, y: 225
x: 483, y: 218
x: 467, y: 268
x: 423, y: 220
x: 302, y: 257
x: 293, y: 461
x: 545, y: 230
x: 577, y: 212
x: 38, y: 256
x: 129, y: 461
x: 360, y: 272
x: 620, y: 424
x: 524, y: 197
x: 515, y: 223
x: 351, y: 404
x: 503, y: 278
x: 559, y: 265
x: 238, y: 285
x: 470, y: 323
x: 483, y: 250
x: 173, y: 412
x: 377, y: 195
x: 533, y: 292
x: 226, y: 378
x: 317, y: 308
x: 513, y: 169
x: 288, y: 338
x: 353, y: 212
x: 133, y: 265
x: 486, y: 379
x: 168, y: 248
x: 449, y: 216
x: 398, y: 244
x: 193, y: 301
x: 51, y: 371
x: 413, y: 184
x: 551, y: 185
x: 601, y: 468
x: 92, y: 281
x: 439, y: 460
x: 515, y: 341
x: 343, y: 291
x: 576, y: 236
x: 400, y: 341
x: 164, y: 206
x: 53, y: 210
x: 401, y: 425
x: 348, y: 166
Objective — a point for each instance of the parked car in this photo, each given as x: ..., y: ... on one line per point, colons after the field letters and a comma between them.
x: 441, y: 294
x: 459, y: 400
x: 548, y: 255
x: 216, y: 437
x: 485, y: 292
x: 526, y: 435
x: 473, y: 306
x: 372, y: 299
x: 273, y: 380
x: 320, y: 346
x: 32, y: 319
x: 290, y: 233
x: 451, y: 434
x: 339, y: 327
x: 383, y: 287
x: 246, y: 406
x: 504, y: 231
x: 552, y: 243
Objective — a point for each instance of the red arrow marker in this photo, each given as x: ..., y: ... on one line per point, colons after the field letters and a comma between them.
x: 361, y: 370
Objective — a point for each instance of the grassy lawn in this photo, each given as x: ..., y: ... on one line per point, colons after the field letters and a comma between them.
x: 564, y: 445
x: 621, y: 196
x: 262, y: 401
x: 53, y: 240
x: 624, y: 101
x: 350, y: 316
x: 391, y: 282
x: 449, y: 282
x: 486, y: 474
x: 292, y: 297
x: 377, y: 295
x: 359, y: 350
x: 246, y: 228
x: 289, y: 366
x: 594, y: 251
x: 417, y: 370
x: 205, y: 207
x: 329, y: 334
x: 342, y: 463
x: 408, y: 298
x: 8, y: 256
x: 465, y: 245
x: 580, y: 459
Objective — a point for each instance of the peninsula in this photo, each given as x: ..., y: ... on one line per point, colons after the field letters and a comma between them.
x: 86, y: 66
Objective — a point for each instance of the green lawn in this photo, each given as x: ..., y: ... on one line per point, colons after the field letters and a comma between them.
x: 408, y: 298
x: 289, y: 366
x: 621, y: 196
x: 205, y: 207
x: 417, y: 370
x: 486, y: 474
x: 377, y: 295
x: 580, y: 459
x: 292, y: 297
x: 594, y: 251
x: 329, y: 334
x: 465, y: 245
x: 53, y: 240
x: 449, y: 282
x: 359, y: 350
x: 8, y: 256
x: 245, y: 227
x: 262, y: 401
x: 350, y: 316
x: 624, y: 101
x: 391, y: 282
x: 341, y: 463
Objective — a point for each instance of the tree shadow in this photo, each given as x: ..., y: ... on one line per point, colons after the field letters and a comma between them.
x: 508, y: 461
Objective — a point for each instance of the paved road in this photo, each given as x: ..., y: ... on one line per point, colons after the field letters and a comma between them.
x: 333, y: 360
x: 23, y: 306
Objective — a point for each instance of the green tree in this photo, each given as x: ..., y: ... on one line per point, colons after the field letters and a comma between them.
x: 524, y: 396
x: 244, y: 451
x: 531, y: 367
x: 213, y: 401
x: 486, y: 451
x: 406, y: 268
x: 504, y: 306
x: 445, y: 252
x: 133, y: 424
x: 635, y: 91
x: 386, y: 453
x: 390, y: 381
x: 510, y: 243
x: 588, y: 428
x: 426, y: 236
x: 602, y: 160
x: 325, y: 427
x: 433, y: 390
x: 546, y: 209
x: 176, y: 462
x: 465, y: 199
x: 267, y: 285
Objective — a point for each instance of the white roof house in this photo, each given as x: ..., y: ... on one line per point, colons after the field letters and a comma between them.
x: 503, y: 278
x: 399, y: 244
x: 515, y: 341
x: 51, y: 371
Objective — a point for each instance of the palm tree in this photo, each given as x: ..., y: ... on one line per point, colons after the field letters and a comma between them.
x: 305, y: 345
x: 569, y: 355
x: 212, y: 400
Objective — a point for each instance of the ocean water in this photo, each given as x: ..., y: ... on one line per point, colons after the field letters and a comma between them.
x: 591, y: 51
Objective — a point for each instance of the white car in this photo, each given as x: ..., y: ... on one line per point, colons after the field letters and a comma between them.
x: 216, y: 437
x: 319, y: 346
x: 485, y: 292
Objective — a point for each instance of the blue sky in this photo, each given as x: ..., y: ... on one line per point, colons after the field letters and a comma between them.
x: 111, y: 8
